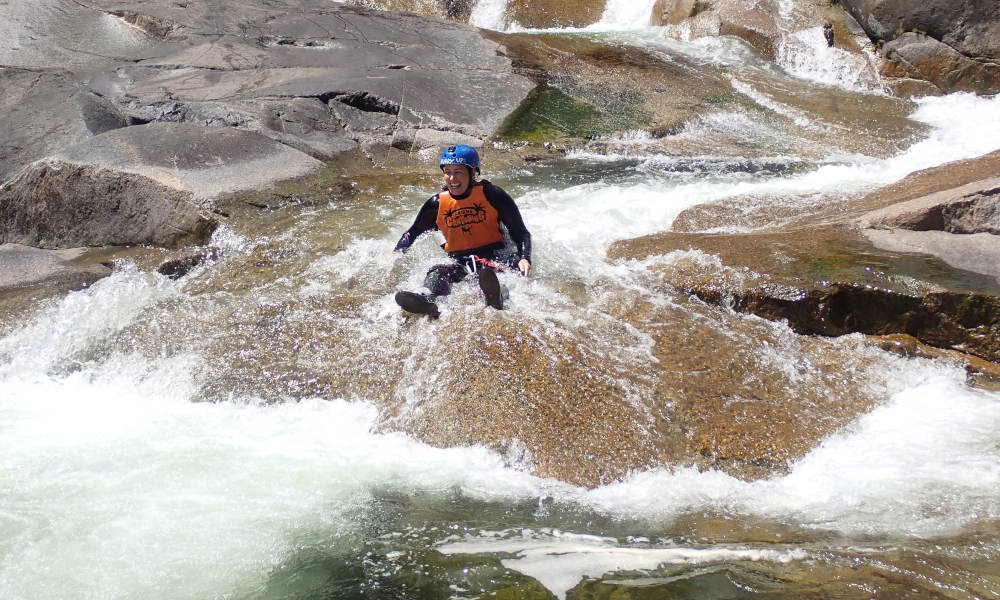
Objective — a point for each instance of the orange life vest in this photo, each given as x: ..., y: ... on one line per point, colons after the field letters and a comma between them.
x: 469, y: 223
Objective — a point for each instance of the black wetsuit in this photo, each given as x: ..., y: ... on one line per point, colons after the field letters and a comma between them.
x: 517, y: 244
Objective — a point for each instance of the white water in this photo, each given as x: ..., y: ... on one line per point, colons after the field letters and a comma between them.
x: 488, y: 14
x: 115, y: 485
x: 618, y: 15
x: 559, y: 560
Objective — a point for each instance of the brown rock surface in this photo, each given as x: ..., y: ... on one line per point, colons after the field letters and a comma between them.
x: 970, y: 208
x: 913, y: 56
x: 960, y: 225
x: 832, y: 282
x: 544, y: 14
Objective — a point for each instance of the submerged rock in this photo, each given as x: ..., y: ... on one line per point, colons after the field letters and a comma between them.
x: 545, y: 14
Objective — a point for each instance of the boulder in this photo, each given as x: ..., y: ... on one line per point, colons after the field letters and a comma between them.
x: 971, y: 27
x: 955, y: 46
x: 801, y: 37
x: 148, y: 184
x: 757, y: 23
x: 916, y: 57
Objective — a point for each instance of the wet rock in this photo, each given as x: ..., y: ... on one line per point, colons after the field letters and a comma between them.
x: 181, y: 264
x: 967, y: 209
x: 712, y: 581
x: 525, y: 398
x: 830, y: 282
x: 756, y: 24
x: 953, y: 45
x: 927, y: 182
x: 979, y: 253
x: 673, y: 12
x: 544, y: 14
x: 151, y: 184
x: 28, y: 275
x: 25, y: 266
x: 769, y: 27
x: 960, y: 225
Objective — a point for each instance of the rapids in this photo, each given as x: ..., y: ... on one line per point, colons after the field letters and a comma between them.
x: 237, y: 433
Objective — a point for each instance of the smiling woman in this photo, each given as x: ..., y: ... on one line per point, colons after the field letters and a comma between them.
x: 481, y: 224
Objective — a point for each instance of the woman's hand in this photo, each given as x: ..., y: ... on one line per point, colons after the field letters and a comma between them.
x: 525, y: 265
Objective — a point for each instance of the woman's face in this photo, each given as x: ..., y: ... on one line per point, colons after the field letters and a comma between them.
x: 457, y: 178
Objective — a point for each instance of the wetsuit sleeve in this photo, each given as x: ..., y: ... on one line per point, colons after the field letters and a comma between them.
x: 510, y: 216
x: 426, y: 220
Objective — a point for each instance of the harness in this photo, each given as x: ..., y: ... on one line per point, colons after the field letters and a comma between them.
x: 473, y: 263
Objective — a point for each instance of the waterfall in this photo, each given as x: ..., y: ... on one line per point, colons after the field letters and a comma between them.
x: 488, y: 14
x: 623, y: 15
x: 618, y: 15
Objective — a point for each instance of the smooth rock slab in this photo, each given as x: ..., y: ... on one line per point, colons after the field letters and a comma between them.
x: 961, y: 226
x: 324, y: 78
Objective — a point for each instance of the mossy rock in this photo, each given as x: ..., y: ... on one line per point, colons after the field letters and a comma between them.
x: 570, y: 111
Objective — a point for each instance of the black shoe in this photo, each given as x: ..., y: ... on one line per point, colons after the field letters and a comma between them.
x: 417, y: 303
x: 490, y: 285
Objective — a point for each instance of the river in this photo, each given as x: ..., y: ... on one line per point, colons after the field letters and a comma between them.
x: 118, y: 480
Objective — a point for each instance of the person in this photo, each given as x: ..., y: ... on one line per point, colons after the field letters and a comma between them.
x: 483, y: 233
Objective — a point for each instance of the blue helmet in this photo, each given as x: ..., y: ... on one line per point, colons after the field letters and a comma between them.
x: 460, y: 155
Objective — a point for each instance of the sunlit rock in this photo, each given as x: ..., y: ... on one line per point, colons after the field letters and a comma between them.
x: 30, y: 274
x: 543, y: 14
x: 913, y: 57
x: 323, y: 78
x: 151, y: 184
x: 952, y: 46
x: 833, y: 282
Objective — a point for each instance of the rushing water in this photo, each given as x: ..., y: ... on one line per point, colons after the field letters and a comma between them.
x: 115, y: 483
